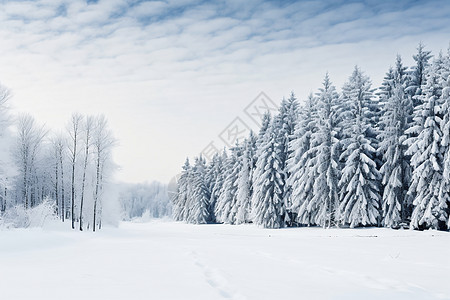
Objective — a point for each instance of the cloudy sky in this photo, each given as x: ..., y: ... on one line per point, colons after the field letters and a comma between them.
x: 171, y: 75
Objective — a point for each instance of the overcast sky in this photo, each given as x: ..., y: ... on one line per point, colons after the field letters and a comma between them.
x: 171, y: 75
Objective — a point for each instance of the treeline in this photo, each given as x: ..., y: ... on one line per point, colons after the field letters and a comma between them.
x: 361, y: 157
x: 66, y: 170
x: 144, y: 200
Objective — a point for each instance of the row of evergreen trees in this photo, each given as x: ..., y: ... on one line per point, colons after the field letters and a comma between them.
x: 362, y: 157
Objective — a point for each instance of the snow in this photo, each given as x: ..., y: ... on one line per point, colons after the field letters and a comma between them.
x: 171, y: 260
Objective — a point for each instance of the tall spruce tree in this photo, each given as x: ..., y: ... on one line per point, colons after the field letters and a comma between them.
x: 269, y: 182
x: 427, y: 154
x: 299, y: 164
x: 324, y: 204
x: 359, y: 183
x: 181, y: 198
x: 395, y: 171
x: 225, y: 210
x: 285, y: 126
x: 199, y: 212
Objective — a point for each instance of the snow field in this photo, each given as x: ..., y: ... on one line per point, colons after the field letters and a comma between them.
x: 169, y: 260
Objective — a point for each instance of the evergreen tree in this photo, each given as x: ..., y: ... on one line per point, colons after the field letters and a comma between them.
x: 359, y: 183
x: 444, y: 199
x: 199, y: 197
x: 395, y: 170
x: 299, y: 164
x: 181, y: 198
x: 244, y: 188
x: 225, y: 210
x: 285, y: 123
x: 324, y: 204
x: 427, y: 154
x: 267, y: 200
x: 418, y: 72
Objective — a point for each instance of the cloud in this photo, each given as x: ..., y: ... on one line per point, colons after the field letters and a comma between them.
x: 171, y: 74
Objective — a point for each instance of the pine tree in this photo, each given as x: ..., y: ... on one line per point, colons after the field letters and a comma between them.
x: 285, y: 125
x: 182, y: 195
x: 444, y: 197
x: 359, y: 183
x: 244, y: 188
x: 300, y: 164
x: 213, y: 180
x: 324, y: 204
x: 418, y: 72
x: 395, y: 170
x: 225, y: 210
x: 267, y: 200
x: 199, y: 212
x: 427, y: 154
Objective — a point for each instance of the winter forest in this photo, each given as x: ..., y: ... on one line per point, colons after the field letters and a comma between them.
x: 53, y: 174
x: 364, y: 156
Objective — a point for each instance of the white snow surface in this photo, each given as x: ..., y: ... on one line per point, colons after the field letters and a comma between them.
x: 170, y: 260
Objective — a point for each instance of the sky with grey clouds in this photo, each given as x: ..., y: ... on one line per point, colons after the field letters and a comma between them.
x: 171, y: 75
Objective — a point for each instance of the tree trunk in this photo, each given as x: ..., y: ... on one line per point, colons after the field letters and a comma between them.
x: 96, y: 191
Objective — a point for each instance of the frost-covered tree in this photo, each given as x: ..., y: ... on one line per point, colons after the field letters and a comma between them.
x: 199, y: 212
x: 181, y: 199
x: 418, y: 73
x: 359, y: 183
x: 444, y: 199
x: 427, y: 154
x: 268, y: 185
x: 300, y: 163
x: 244, y: 188
x: 29, y: 143
x: 213, y: 181
x: 225, y: 209
x: 102, y: 144
x: 395, y: 171
x: 285, y: 123
x: 323, y: 207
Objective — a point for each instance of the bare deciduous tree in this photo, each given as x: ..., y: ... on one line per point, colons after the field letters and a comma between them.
x: 103, y: 141
x: 74, y: 129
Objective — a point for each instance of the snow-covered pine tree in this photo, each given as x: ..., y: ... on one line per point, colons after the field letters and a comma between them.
x: 199, y: 197
x: 418, y: 73
x: 444, y: 197
x: 180, y: 200
x: 213, y: 171
x: 359, y: 183
x: 224, y: 210
x: 218, y: 185
x: 268, y: 185
x: 300, y: 163
x: 286, y: 121
x: 324, y: 204
x: 427, y: 153
x: 395, y: 171
x: 244, y: 188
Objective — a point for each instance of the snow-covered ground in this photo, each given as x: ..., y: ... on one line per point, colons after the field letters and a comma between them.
x: 168, y: 260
